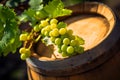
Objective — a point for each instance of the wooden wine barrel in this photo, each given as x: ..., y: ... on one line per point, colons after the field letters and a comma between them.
x: 96, y: 23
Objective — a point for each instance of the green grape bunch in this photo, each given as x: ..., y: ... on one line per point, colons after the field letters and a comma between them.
x: 67, y: 43
x: 57, y: 33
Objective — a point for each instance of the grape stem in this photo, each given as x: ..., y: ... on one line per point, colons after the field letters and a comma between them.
x: 55, y: 56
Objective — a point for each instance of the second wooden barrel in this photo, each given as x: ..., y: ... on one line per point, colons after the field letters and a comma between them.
x: 96, y: 23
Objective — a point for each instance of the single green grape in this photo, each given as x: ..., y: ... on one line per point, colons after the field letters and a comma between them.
x: 37, y: 13
x: 22, y: 50
x: 62, y: 31
x: 53, y: 21
x: 55, y: 32
x: 23, y: 37
x: 36, y: 28
x: 57, y: 41
x: 40, y: 26
x: 69, y: 32
x: 43, y: 30
x: 64, y: 54
x: 81, y: 41
x: 66, y: 41
x: 53, y: 25
x: 73, y: 42
x: 70, y: 49
x: 51, y: 33
x: 64, y: 48
x: 44, y: 23
x: 47, y: 28
x: 59, y: 50
x: 23, y: 56
x: 28, y: 52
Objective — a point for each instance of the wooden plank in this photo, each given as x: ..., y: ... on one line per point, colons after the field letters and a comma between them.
x: 29, y: 73
x: 62, y: 78
x: 90, y: 7
x: 47, y: 78
x: 77, y: 8
x: 112, y: 23
x: 35, y: 75
x: 78, y: 77
x: 105, y: 11
x: 94, y: 74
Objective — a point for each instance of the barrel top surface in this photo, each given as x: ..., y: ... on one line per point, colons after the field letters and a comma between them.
x: 103, y: 28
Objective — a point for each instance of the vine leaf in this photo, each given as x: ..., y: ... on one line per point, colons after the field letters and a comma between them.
x: 53, y: 9
x: 9, y: 31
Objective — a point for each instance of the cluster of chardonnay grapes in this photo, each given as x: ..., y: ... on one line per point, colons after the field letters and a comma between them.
x: 67, y: 43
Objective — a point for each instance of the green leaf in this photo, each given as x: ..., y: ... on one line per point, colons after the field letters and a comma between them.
x: 42, y: 14
x: 9, y: 31
x: 36, y: 4
x: 61, y: 25
x: 56, y: 9
x: 53, y: 9
x: 28, y: 15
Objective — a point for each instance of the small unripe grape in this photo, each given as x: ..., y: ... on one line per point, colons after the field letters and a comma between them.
x: 37, y: 13
x: 70, y: 32
x: 73, y: 43
x: 43, y: 30
x: 59, y: 50
x: 36, y: 28
x: 64, y: 54
x: 44, y: 23
x: 53, y: 25
x: 23, y: 56
x: 22, y: 50
x: 40, y: 26
x: 64, y: 48
x: 66, y: 41
x: 62, y: 31
x: 55, y: 32
x: 53, y: 21
x: 81, y: 41
x: 47, y: 28
x: 23, y: 37
x: 70, y: 50
x: 28, y: 51
x: 51, y: 34
x: 58, y: 41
